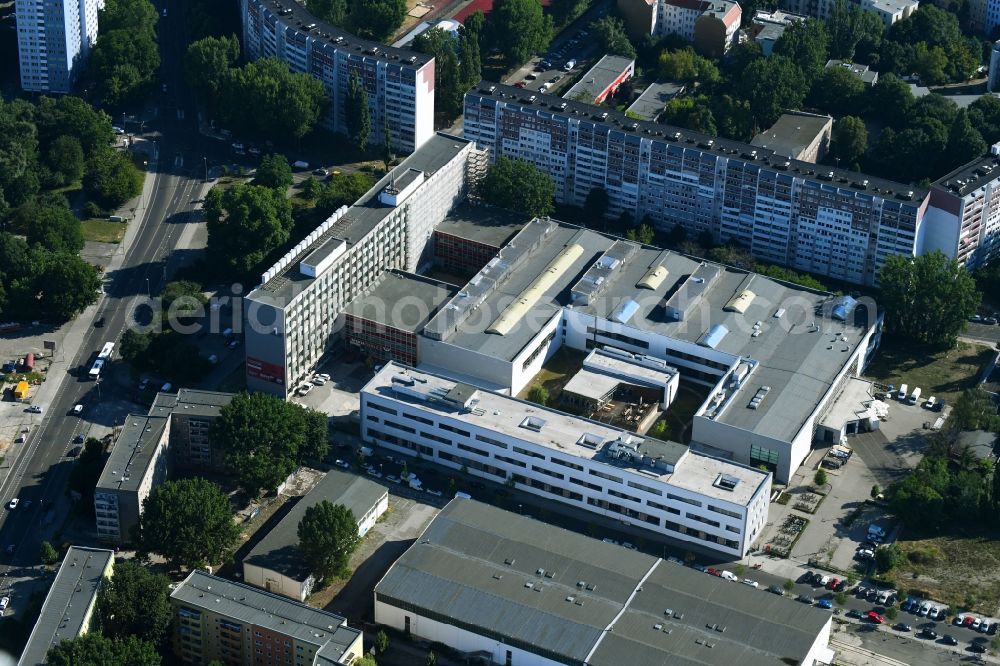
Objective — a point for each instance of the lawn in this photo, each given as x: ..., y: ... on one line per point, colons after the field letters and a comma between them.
x: 957, y: 569
x: 556, y: 372
x: 944, y: 374
x: 103, y: 231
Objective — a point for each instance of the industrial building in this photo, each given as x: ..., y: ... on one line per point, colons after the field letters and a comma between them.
x: 655, y: 485
x: 400, y: 83
x: 53, y: 41
x: 602, y: 80
x: 239, y: 625
x: 818, y: 219
x: 69, y: 604
x: 293, y: 317
x: 276, y: 564
x: 521, y: 592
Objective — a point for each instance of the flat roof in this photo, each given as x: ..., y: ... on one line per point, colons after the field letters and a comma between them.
x: 550, y: 105
x: 852, y: 403
x: 861, y: 71
x: 191, y: 402
x: 792, y: 133
x: 971, y: 176
x: 484, y: 224
x: 600, y: 77
x: 68, y: 602
x: 326, y: 34
x: 401, y: 300
x: 564, y: 433
x: 653, y: 99
x: 132, y: 452
x: 249, y: 605
x: 603, y: 370
x: 576, y: 599
x: 279, y: 549
x: 359, y: 220
x: 798, y: 364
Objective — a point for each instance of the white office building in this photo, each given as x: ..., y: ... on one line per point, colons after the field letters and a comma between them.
x: 400, y: 83
x: 291, y: 319
x: 656, y: 485
x: 53, y: 40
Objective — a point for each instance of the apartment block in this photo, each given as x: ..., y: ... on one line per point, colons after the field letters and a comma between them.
x: 53, y: 40
x: 239, y: 625
x: 965, y: 212
x: 889, y: 11
x: 191, y: 413
x: 822, y: 220
x: 295, y: 315
x: 656, y: 485
x: 400, y: 83
x: 69, y: 604
x: 711, y: 25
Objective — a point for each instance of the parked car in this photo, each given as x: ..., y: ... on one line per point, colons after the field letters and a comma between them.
x: 342, y: 463
x: 806, y: 599
x: 13, y: 503
x: 78, y: 409
x: 959, y: 620
x: 976, y: 624
x: 776, y: 589
x: 751, y: 582
x: 928, y: 633
x: 436, y: 493
x: 520, y: 84
x: 855, y: 614
x: 392, y: 479
x: 4, y: 602
x: 712, y: 571
x: 729, y: 575
x: 35, y: 409
x: 977, y: 647
x: 902, y: 626
x: 875, y: 617
x: 318, y: 381
x: 968, y: 620
x: 806, y: 577
x: 74, y: 452
x: 321, y: 172
x: 823, y: 580
x: 371, y: 471
x: 925, y: 608
x: 824, y: 603
x: 949, y: 640
x: 78, y: 439
x: 832, y: 583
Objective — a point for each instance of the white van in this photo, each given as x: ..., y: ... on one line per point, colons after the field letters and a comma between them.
x: 903, y: 390
x: 931, y: 401
x: 915, y: 396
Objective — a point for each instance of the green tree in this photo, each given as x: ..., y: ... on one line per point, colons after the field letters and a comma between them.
x: 265, y: 438
x: 789, y: 585
x: 891, y: 612
x: 732, y: 117
x: 186, y: 294
x: 381, y: 641
x: 678, y: 65
x: 838, y: 91
x: 134, y: 602
x: 565, y: 11
x: 965, y: 143
x: 850, y: 26
x: 134, y: 346
x: 50, y: 223
x: 65, y: 159
x: 470, y: 66
x: 771, y: 86
x: 609, y: 32
x: 72, y: 116
x: 643, y: 234
x: 806, y: 44
x: 189, y: 522
x: 888, y: 557
x: 122, y: 65
x: 448, y: 83
x: 984, y: 114
x: 93, y: 649
x: 245, y: 224
x: 47, y: 554
x: 539, y: 395
x: 849, y: 140
x: 310, y: 189
x: 18, y: 153
x: 876, y: 491
x: 929, y: 63
x: 110, y: 178
x: 343, y: 190
x: 519, y: 29
x: 359, y: 119
x: 840, y: 599
x: 331, y: 11
x: 366, y: 660
x: 207, y: 63
x: 274, y: 171
x: 287, y: 106
x: 66, y: 285
x: 928, y: 298
x: 328, y: 535
x: 890, y: 100
x: 377, y: 19
x: 691, y: 112
x: 518, y: 185
x: 431, y: 660
x: 819, y: 478
x: 596, y: 203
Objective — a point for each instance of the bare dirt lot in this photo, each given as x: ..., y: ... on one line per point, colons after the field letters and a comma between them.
x: 958, y: 568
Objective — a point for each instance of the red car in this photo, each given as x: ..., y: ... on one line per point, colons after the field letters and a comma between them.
x: 834, y: 582
x: 969, y: 619
x: 519, y: 84
x: 713, y: 571
x: 875, y: 617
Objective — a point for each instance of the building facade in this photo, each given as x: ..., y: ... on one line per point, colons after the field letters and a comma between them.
x: 711, y: 25
x: 400, y: 83
x: 239, y: 625
x: 654, y: 485
x: 832, y: 222
x: 295, y: 316
x: 69, y: 604
x: 53, y: 40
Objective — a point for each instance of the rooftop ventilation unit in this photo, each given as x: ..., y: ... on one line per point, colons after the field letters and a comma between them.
x: 533, y: 423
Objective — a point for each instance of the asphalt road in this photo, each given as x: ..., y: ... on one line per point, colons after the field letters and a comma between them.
x: 41, y: 471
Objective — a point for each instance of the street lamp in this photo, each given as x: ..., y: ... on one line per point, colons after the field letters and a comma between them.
x: 205, y: 160
x: 149, y: 293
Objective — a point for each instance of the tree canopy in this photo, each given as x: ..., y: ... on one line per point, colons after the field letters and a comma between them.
x: 245, y: 224
x: 928, y: 298
x: 93, y: 649
x: 849, y: 140
x: 189, y: 522
x: 343, y: 190
x: 328, y: 535
x: 519, y: 29
x: 449, y: 86
x: 134, y: 602
x: 805, y: 43
x: 111, y: 178
x: 518, y: 185
x: 609, y: 31
x: 772, y: 85
x: 286, y: 105
x: 124, y: 61
x: 359, y: 114
x: 266, y: 438
x: 206, y: 64
x: 274, y: 171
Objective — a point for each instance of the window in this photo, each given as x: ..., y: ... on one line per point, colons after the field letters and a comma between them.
x: 382, y: 408
x: 686, y: 500
x: 759, y: 454
x: 648, y: 489
x: 602, y: 475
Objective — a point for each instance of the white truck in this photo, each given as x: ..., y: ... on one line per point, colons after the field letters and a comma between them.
x: 915, y: 396
x: 903, y: 390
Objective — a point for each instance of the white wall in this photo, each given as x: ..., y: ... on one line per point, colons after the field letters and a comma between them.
x: 459, y: 639
x: 464, y: 361
x: 368, y: 521
x: 279, y: 584
x: 938, y: 231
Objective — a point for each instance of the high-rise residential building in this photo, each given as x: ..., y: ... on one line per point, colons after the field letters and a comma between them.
x: 819, y: 219
x: 239, y: 625
x: 400, y: 83
x: 993, y: 83
x: 292, y: 318
x: 54, y: 37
